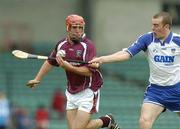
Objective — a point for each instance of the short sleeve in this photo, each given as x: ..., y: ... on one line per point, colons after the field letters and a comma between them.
x: 52, y: 57
x: 140, y: 44
x: 91, y: 53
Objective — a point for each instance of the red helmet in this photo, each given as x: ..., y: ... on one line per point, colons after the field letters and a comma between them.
x: 74, y: 19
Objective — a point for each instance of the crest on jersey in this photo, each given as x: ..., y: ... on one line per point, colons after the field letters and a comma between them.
x: 78, y: 53
x: 173, y: 50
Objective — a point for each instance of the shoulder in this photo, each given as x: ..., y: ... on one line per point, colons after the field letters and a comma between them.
x: 148, y: 37
x: 89, y: 43
x: 87, y: 40
x: 61, y: 42
x: 176, y: 39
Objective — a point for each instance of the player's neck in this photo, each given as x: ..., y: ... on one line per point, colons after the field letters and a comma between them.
x: 166, y: 34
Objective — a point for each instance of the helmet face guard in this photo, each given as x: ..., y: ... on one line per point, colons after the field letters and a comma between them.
x: 74, y: 20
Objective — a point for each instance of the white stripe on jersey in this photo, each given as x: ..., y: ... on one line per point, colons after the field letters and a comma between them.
x: 84, y: 59
x: 59, y: 46
x: 85, y: 50
x: 90, y: 81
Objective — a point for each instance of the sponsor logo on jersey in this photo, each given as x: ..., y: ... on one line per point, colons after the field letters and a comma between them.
x: 164, y: 59
x: 164, y: 48
x: 71, y: 49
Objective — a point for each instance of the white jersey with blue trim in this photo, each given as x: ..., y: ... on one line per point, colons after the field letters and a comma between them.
x: 163, y: 57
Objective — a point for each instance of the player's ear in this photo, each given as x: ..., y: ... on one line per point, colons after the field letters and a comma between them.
x: 167, y: 26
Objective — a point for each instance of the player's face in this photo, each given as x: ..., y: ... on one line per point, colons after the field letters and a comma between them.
x: 76, y: 31
x: 159, y: 28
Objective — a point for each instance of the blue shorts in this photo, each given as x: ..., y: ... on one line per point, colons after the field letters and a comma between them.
x: 165, y: 96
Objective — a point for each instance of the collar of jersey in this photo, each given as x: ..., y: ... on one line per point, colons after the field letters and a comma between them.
x: 167, y: 40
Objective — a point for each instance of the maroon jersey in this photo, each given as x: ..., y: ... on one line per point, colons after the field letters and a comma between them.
x: 83, y: 51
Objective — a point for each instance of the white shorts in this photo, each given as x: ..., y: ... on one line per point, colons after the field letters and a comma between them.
x: 86, y: 100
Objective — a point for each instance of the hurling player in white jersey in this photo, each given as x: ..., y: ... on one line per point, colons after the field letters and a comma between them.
x: 162, y: 48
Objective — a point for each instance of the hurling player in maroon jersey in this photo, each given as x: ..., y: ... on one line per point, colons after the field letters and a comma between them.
x: 83, y: 81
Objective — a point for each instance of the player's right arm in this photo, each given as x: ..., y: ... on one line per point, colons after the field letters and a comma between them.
x: 140, y: 44
x: 45, y: 68
x: 118, y: 56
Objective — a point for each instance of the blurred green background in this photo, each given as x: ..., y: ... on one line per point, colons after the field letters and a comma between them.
x: 36, y: 26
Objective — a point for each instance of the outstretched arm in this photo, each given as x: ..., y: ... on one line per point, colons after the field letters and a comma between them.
x: 45, y: 68
x: 118, y: 56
